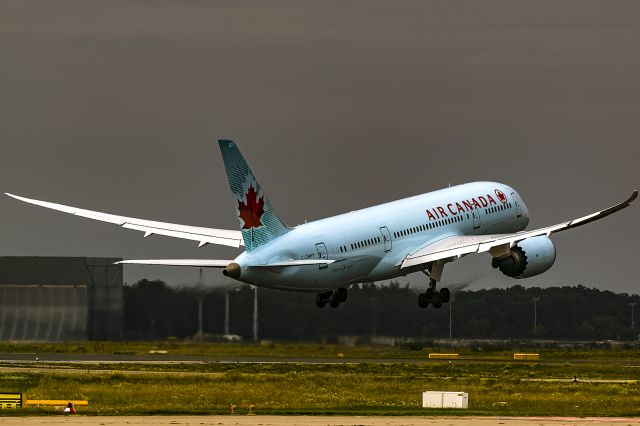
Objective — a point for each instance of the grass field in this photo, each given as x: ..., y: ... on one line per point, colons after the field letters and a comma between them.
x: 494, y: 387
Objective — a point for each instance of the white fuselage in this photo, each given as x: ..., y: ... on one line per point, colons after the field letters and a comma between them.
x: 370, y: 244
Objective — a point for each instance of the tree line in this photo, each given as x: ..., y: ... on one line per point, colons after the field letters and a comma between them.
x: 154, y: 310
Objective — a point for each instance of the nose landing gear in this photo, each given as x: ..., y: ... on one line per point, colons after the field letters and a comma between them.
x: 333, y: 298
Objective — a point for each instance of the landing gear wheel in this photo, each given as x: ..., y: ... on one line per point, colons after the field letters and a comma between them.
x: 340, y: 295
x: 429, y: 293
x: 423, y: 300
x: 321, y: 300
x: 334, y: 303
x: 437, y: 300
x: 445, y: 295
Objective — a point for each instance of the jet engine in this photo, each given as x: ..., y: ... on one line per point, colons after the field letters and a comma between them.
x: 529, y: 257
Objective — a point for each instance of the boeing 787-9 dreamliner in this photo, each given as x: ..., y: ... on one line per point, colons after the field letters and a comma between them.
x: 416, y: 234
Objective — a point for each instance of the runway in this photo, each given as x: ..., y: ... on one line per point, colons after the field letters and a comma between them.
x: 179, y: 358
x: 312, y: 421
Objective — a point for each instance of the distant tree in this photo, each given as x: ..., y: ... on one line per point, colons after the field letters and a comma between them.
x: 154, y: 310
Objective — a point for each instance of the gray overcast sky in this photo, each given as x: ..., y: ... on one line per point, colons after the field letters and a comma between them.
x: 337, y: 105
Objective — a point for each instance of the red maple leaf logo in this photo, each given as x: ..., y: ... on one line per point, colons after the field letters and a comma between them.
x: 252, y: 211
x: 501, y: 196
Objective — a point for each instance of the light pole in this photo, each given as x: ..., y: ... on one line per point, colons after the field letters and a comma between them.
x: 226, y: 313
x: 535, y: 301
x: 255, y: 314
x: 451, y: 317
x: 633, y: 323
x: 200, y: 291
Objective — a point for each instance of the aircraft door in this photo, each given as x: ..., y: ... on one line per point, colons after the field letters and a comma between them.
x: 386, y: 238
x: 476, y: 218
x: 322, y: 253
x: 517, y: 203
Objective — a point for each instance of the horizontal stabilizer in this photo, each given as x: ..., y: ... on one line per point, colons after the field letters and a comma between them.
x: 201, y: 263
x: 201, y: 235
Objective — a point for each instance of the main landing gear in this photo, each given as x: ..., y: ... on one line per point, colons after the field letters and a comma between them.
x: 333, y: 298
x: 433, y: 296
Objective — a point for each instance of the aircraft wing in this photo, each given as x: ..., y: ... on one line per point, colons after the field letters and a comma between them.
x: 203, y: 236
x: 201, y: 263
x: 211, y: 263
x: 497, y: 244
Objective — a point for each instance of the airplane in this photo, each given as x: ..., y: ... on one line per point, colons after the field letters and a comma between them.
x: 416, y: 234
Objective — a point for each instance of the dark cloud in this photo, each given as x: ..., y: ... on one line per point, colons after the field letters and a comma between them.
x: 116, y: 106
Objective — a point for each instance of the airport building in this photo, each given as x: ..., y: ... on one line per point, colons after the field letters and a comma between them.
x: 59, y: 299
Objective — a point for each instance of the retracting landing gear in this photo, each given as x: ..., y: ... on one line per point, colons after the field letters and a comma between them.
x: 333, y: 298
x: 432, y: 295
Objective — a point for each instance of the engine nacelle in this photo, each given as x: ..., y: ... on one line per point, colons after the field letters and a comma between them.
x: 529, y: 257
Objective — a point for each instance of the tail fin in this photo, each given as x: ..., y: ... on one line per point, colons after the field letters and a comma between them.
x: 259, y: 223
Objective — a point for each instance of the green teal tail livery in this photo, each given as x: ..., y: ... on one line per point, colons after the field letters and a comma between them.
x: 259, y: 223
x: 383, y: 242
